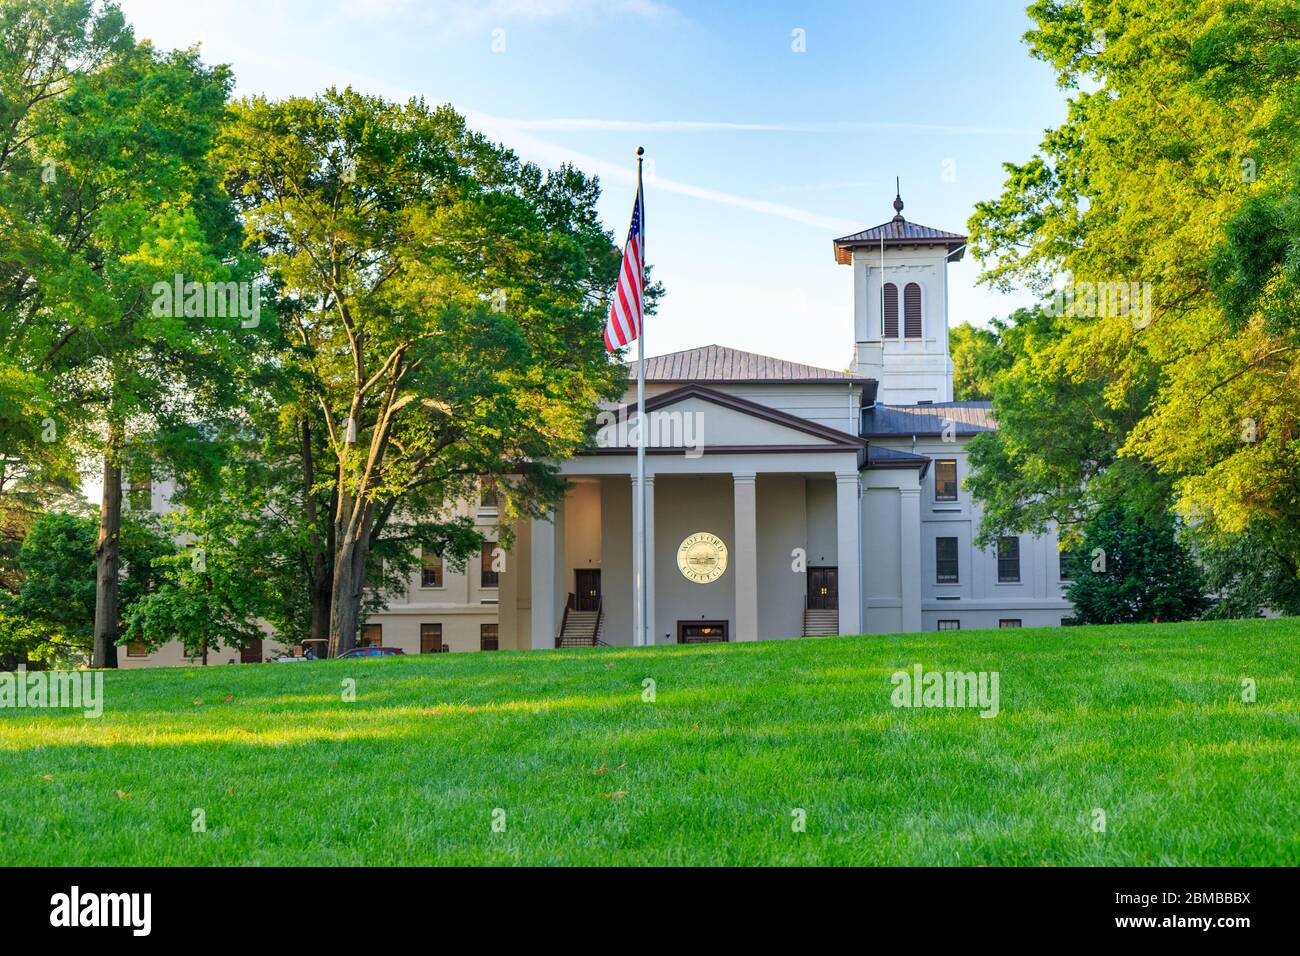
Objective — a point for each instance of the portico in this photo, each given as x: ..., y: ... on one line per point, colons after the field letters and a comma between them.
x: 780, y: 494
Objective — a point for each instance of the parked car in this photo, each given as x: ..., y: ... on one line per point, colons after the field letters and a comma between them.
x: 372, y: 651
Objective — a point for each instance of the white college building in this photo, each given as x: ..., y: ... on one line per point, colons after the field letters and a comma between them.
x: 783, y: 500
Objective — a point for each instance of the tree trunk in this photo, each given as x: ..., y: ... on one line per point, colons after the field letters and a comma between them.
x: 322, y: 590
x: 352, y: 551
x: 321, y: 572
x: 107, y: 555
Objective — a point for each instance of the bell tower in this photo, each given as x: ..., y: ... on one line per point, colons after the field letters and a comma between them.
x: 900, y: 307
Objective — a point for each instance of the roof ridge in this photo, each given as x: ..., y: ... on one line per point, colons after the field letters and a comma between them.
x: 729, y: 360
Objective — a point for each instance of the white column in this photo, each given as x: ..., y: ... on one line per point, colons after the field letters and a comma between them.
x: 546, y: 556
x: 848, y: 527
x: 744, y: 560
x: 909, y: 556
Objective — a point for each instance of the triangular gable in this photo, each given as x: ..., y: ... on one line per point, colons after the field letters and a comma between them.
x: 698, y: 416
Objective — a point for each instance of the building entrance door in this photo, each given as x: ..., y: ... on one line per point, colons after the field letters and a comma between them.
x: 586, y: 588
x: 823, y: 589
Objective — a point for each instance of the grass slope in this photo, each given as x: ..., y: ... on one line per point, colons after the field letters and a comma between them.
x: 1143, y: 722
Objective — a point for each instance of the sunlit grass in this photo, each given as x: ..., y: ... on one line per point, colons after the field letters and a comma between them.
x: 1146, y: 724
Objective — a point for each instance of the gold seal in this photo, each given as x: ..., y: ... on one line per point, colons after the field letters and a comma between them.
x: 702, y: 558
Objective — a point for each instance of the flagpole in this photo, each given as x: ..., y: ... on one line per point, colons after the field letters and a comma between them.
x: 640, y: 635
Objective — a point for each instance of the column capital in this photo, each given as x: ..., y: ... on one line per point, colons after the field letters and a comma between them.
x: 846, y: 478
x: 742, y: 476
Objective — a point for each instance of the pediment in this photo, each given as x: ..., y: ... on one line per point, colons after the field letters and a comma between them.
x: 695, y: 416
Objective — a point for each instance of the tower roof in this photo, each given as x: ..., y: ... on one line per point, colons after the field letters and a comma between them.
x: 897, y: 232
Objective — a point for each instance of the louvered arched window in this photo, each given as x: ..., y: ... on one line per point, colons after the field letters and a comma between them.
x: 911, y: 311
x: 891, y: 311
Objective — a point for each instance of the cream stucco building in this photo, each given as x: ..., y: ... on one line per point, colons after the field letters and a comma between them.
x: 836, y: 496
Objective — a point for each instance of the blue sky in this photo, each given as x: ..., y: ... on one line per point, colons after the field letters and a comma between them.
x: 759, y: 155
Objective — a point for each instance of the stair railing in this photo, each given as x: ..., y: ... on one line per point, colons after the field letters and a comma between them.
x: 564, y: 621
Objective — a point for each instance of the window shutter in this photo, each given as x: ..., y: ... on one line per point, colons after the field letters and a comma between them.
x: 891, y: 311
x: 911, y: 311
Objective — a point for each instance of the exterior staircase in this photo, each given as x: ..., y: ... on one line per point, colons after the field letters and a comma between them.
x: 820, y: 623
x: 580, y: 628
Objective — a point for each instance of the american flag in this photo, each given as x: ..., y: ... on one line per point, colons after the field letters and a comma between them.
x: 623, y: 325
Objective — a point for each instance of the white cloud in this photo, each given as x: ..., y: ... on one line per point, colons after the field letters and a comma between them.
x: 549, y: 153
x: 459, y: 17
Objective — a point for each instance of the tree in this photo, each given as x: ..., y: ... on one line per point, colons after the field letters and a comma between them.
x: 49, y: 614
x: 974, y: 352
x: 1171, y: 171
x: 442, y: 307
x: 1248, y: 576
x: 143, y: 364
x: 48, y: 47
x: 1131, y: 569
x: 214, y: 590
x: 1054, y: 459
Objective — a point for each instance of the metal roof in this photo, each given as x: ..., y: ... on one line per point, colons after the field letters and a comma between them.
x: 716, y: 363
x: 965, y: 418
x: 880, y: 457
x: 897, y: 232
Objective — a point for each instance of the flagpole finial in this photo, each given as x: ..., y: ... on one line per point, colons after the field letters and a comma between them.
x: 640, y: 151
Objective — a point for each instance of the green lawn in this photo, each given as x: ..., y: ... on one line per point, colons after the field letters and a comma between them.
x: 1145, y: 723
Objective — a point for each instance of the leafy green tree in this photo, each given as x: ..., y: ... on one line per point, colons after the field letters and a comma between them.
x: 442, y: 306
x: 975, y: 355
x: 1248, y: 576
x: 48, y: 47
x: 1054, y: 459
x: 1172, y: 170
x: 214, y: 590
x: 49, y: 615
x: 1132, y: 569
x: 133, y: 140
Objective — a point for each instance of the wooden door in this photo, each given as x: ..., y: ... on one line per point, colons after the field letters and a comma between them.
x: 586, y: 583
x: 823, y: 589
x: 252, y: 654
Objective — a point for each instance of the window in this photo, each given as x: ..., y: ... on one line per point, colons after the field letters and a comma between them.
x: 487, y: 637
x: 372, y: 634
x: 430, y: 638
x: 430, y: 570
x: 1066, y: 560
x: 1008, y: 559
x: 488, y: 578
x: 945, y: 479
x: 950, y: 625
x: 137, y: 649
x: 1009, y: 622
x: 488, y: 500
x: 912, y: 311
x: 945, y: 560
x: 890, y: 313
